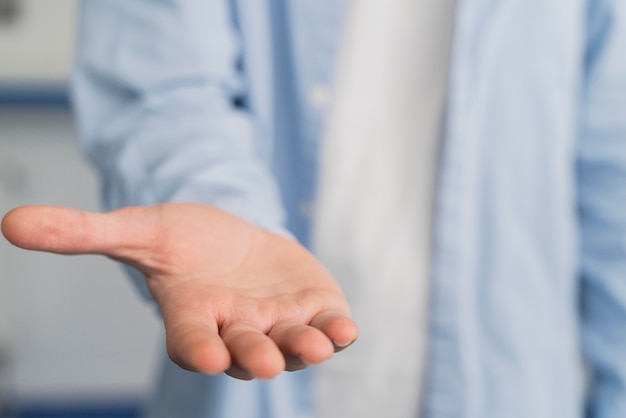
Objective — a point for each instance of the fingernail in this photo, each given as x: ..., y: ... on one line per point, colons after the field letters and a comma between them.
x: 339, y: 347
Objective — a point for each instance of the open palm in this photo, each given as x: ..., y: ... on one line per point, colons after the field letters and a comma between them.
x: 234, y: 297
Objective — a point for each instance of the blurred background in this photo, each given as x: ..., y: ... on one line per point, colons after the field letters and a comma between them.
x: 75, y: 338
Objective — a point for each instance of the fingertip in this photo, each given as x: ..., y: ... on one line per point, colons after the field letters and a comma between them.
x: 253, y: 351
x: 264, y: 361
x: 209, y: 359
x: 341, y: 330
x: 44, y: 228
x: 5, y: 226
x: 12, y: 223
x: 313, y: 347
x: 198, y: 350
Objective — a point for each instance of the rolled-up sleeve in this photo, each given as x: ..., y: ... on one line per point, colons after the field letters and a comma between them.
x: 160, y: 96
x: 602, y: 203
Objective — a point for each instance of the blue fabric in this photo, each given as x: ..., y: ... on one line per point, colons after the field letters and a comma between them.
x: 182, y: 100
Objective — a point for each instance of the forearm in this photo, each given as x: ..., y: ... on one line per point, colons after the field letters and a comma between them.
x: 155, y: 90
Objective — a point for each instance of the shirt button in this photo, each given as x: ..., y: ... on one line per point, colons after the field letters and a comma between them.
x: 319, y: 95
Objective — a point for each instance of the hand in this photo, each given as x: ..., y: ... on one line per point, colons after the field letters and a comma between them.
x: 234, y: 298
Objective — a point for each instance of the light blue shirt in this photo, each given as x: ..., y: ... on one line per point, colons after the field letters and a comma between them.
x: 222, y: 102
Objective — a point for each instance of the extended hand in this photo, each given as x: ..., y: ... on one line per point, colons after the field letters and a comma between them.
x: 234, y: 298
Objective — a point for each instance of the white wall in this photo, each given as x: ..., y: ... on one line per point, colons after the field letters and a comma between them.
x: 38, y: 44
x: 75, y: 327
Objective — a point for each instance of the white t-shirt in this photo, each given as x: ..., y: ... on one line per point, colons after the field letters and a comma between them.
x: 376, y: 199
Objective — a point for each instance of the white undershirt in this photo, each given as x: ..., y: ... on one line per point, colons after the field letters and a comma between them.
x: 376, y: 194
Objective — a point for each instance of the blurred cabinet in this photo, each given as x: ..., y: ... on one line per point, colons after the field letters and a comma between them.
x: 73, y: 326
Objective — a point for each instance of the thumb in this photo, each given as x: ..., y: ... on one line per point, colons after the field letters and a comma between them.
x: 124, y: 233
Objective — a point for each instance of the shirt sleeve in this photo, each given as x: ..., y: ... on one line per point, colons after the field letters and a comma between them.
x: 160, y: 93
x: 602, y: 208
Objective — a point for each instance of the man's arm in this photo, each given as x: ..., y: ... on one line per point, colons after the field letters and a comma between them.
x: 602, y: 203
x: 157, y: 93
